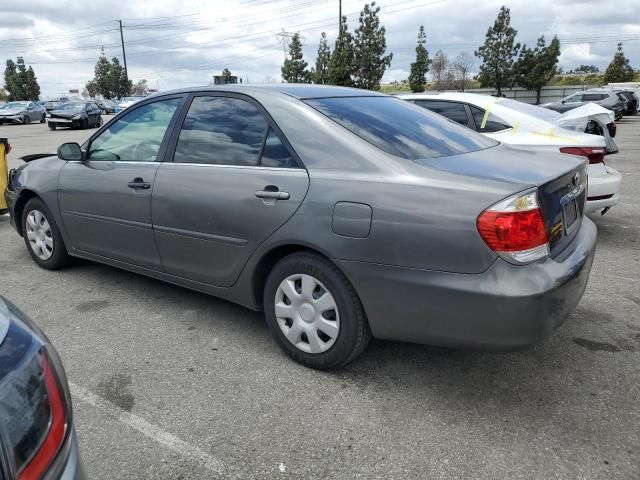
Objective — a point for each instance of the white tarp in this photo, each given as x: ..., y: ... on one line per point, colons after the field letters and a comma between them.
x: 578, y: 118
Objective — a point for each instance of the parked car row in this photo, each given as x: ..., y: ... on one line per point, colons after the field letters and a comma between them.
x: 619, y: 100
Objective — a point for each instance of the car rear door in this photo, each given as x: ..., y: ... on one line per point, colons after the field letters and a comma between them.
x: 233, y: 181
x: 105, y: 200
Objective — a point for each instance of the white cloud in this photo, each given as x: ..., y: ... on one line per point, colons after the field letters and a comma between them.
x: 578, y: 52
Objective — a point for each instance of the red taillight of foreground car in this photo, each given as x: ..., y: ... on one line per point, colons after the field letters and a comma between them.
x: 51, y: 440
x: 515, y: 228
x: 594, y: 154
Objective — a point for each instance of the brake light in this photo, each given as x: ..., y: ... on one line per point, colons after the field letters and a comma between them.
x: 514, y: 228
x: 594, y: 154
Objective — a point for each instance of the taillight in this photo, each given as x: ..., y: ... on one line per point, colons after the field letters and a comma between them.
x: 514, y: 228
x: 594, y: 154
x: 35, y: 406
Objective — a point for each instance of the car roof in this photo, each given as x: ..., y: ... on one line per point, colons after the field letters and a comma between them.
x: 300, y: 91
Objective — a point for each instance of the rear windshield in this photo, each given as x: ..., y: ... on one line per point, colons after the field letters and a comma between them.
x: 401, y: 128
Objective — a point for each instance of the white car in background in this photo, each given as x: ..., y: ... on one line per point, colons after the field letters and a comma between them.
x: 125, y: 102
x: 527, y: 126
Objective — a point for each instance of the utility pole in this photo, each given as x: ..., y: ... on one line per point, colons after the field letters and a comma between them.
x: 339, y: 17
x: 124, y: 55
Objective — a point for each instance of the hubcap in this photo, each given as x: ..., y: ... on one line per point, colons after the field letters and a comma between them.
x: 39, y: 235
x: 307, y: 313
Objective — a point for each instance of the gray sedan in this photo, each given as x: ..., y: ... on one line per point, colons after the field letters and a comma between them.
x: 22, y: 112
x: 343, y: 214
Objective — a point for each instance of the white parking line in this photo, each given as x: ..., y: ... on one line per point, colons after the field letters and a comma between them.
x: 154, y: 432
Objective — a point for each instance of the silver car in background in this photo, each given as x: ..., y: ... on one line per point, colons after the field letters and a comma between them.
x: 22, y: 113
x: 341, y: 213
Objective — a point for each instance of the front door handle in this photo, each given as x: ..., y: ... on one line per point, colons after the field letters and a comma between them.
x: 139, y: 182
x: 272, y: 192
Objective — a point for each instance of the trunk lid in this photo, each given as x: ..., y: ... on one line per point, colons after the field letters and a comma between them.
x: 561, y: 181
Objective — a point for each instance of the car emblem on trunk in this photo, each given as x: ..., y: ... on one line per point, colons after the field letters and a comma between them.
x: 576, y: 179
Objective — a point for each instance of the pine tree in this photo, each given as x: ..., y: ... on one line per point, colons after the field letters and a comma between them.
x: 294, y: 69
x: 498, y: 53
x: 321, y: 70
x: 32, y: 88
x: 419, y: 68
x: 369, y: 47
x: 341, y: 62
x: 20, y: 82
x: 536, y: 66
x: 619, y: 69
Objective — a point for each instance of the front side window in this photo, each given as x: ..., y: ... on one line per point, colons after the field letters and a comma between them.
x: 488, y: 123
x: 137, y: 135
x: 575, y: 98
x: 400, y: 128
x: 452, y: 110
x: 221, y: 131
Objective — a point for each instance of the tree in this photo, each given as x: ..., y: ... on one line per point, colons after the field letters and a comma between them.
x: 619, y: 69
x: 32, y: 89
x: 462, y: 66
x: 341, y: 62
x: 419, y: 68
x: 20, y: 82
x: 110, y: 79
x: 321, y: 70
x: 537, y: 66
x: 91, y: 89
x: 226, y: 73
x: 586, y: 69
x: 140, y: 88
x: 498, y: 53
x: 3, y: 95
x: 439, y: 68
x: 369, y: 49
x: 294, y: 69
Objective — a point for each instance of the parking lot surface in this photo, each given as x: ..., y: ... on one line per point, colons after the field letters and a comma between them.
x: 170, y: 383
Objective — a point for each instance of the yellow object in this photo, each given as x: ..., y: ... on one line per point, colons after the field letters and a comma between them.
x: 4, y: 172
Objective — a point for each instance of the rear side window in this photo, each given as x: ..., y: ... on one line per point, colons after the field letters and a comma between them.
x: 488, y: 123
x: 221, y: 131
x: 275, y: 153
x: 452, y: 110
x: 401, y: 128
x: 593, y: 97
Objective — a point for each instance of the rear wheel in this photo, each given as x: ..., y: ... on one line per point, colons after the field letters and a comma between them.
x: 314, y: 313
x: 42, y: 236
x: 44, y: 118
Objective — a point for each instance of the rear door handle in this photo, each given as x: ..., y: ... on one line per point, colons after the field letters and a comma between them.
x: 139, y: 182
x: 275, y: 194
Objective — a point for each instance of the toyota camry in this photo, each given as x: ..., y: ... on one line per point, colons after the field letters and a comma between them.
x: 343, y: 214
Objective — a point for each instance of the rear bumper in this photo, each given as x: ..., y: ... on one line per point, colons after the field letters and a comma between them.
x: 603, y: 185
x: 505, y: 307
x: 73, y: 470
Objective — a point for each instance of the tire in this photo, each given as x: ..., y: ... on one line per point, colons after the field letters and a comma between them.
x: 84, y: 124
x: 26, y: 120
x: 349, y: 321
x: 43, y: 119
x: 51, y: 127
x: 57, y: 253
x: 99, y: 122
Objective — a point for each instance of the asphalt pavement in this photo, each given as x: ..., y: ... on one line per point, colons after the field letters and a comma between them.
x: 173, y: 384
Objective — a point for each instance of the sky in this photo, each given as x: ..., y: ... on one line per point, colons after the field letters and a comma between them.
x: 178, y: 43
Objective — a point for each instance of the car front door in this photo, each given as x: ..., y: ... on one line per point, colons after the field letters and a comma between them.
x: 105, y: 200
x: 233, y: 181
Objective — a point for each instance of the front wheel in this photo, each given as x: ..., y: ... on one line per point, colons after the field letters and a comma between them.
x: 314, y: 313
x: 42, y: 236
x: 26, y: 120
x: 43, y: 119
x: 84, y: 124
x: 99, y: 122
x: 51, y: 127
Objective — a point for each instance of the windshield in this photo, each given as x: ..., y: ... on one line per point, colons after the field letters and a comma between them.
x: 76, y: 107
x: 531, y: 110
x: 401, y: 128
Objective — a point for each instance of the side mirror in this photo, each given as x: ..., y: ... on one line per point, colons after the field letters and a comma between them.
x: 70, y: 151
